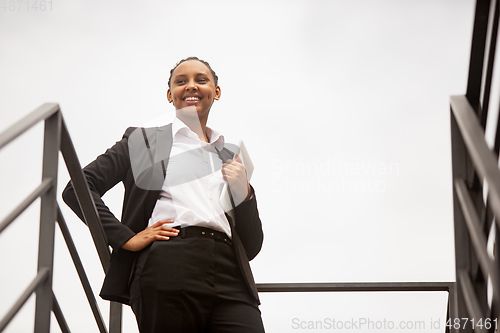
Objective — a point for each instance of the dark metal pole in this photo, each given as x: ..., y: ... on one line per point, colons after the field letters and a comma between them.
x: 48, y: 213
x: 85, y: 200
x: 115, y: 317
x: 81, y: 272
x: 453, y: 305
x: 63, y: 325
x: 492, y: 43
x: 461, y: 165
x: 477, y: 53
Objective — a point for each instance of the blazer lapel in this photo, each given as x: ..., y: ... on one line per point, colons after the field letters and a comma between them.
x: 163, y: 146
x: 160, y: 147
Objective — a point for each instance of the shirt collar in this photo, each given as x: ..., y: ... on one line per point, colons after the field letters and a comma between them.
x: 180, y: 129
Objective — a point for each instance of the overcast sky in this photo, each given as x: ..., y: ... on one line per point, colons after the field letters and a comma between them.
x: 343, y: 106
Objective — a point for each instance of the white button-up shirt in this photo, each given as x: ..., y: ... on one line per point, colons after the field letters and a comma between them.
x: 192, y: 191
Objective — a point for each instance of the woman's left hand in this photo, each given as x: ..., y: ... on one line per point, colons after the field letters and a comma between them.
x: 235, y: 174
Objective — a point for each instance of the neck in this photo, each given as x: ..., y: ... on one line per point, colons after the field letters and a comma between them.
x: 196, y: 124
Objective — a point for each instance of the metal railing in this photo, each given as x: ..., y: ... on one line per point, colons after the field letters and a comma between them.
x: 370, y: 287
x: 56, y: 138
x: 476, y: 179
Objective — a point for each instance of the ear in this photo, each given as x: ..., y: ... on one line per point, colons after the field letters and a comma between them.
x: 169, y: 96
x: 217, y: 93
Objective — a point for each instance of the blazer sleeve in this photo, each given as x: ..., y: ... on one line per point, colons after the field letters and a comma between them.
x: 102, y: 174
x: 248, y: 226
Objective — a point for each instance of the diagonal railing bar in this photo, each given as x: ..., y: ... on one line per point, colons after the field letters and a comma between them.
x: 42, y: 275
x: 84, y: 198
x: 478, y: 238
x: 41, y: 113
x: 81, y: 271
x: 496, y: 148
x: 41, y: 189
x: 479, y: 152
x: 490, y: 51
x: 471, y: 302
x: 477, y: 51
x: 90, y: 215
x: 63, y: 325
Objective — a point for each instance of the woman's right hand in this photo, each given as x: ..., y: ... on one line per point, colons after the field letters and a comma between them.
x: 157, y: 231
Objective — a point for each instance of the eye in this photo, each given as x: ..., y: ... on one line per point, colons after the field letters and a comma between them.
x: 202, y: 80
x: 179, y: 82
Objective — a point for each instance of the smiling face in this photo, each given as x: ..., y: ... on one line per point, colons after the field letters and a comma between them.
x: 193, y: 88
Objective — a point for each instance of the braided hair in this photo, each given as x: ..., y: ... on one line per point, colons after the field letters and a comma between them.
x: 216, y: 79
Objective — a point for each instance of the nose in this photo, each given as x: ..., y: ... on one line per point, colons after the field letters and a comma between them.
x: 191, y: 85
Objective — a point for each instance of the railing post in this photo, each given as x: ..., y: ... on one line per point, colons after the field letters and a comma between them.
x: 461, y: 170
x: 115, y: 317
x: 453, y: 305
x: 48, y: 215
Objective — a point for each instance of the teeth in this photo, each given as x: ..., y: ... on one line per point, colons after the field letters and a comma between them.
x: 192, y: 98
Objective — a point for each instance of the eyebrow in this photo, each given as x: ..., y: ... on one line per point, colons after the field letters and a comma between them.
x: 197, y: 74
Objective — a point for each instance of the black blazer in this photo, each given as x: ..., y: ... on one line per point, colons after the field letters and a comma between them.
x: 141, y: 193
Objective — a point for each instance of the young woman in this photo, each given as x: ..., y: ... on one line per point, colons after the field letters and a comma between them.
x: 180, y: 257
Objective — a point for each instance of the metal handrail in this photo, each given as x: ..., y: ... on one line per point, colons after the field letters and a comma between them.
x: 474, y: 163
x: 483, y: 168
x: 355, y: 287
x: 57, y: 139
x: 369, y: 287
x: 480, y: 154
x: 43, y: 112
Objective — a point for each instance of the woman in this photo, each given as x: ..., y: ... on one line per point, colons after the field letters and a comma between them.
x: 179, y: 259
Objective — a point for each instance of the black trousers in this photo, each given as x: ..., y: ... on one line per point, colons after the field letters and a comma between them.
x: 190, y: 285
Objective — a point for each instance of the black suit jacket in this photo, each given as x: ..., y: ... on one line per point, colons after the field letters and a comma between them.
x: 140, y: 165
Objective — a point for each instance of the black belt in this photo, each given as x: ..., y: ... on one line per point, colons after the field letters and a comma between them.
x: 195, y: 231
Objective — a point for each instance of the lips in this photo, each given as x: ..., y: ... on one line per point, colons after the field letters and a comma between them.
x: 192, y: 100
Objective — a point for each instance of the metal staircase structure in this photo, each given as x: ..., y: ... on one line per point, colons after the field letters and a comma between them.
x: 56, y: 138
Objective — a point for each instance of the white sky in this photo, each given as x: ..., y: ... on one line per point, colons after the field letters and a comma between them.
x: 343, y: 106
